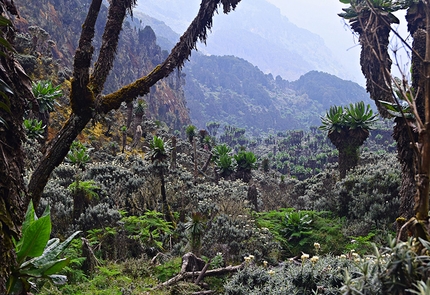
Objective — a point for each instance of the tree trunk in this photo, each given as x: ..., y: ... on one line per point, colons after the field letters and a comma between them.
x: 129, y: 114
x: 13, y: 193
x: 173, y: 154
x: 407, y: 161
x: 348, y: 143
x: 196, y: 173
x: 166, y: 210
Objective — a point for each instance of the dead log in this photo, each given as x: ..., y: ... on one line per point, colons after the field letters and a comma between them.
x: 213, y: 272
x: 202, y: 273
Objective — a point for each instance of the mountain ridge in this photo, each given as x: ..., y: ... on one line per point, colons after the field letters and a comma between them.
x: 254, y: 25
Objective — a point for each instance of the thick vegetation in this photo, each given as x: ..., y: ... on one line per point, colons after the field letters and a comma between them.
x: 201, y: 211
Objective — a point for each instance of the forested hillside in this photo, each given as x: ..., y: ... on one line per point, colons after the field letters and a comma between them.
x: 232, y: 91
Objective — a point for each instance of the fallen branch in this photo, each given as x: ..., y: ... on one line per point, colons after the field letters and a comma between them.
x: 202, y: 273
x: 189, y: 274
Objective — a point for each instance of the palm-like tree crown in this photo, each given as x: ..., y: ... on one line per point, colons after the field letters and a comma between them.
x: 354, y: 116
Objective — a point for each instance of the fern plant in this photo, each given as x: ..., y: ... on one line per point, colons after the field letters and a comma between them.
x: 150, y: 229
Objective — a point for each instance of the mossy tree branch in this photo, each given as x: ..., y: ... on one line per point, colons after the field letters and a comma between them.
x: 182, y: 50
x: 85, y: 90
x: 81, y: 98
x: 110, y: 38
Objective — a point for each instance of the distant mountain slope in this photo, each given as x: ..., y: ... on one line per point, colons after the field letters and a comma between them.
x: 255, y: 31
x: 328, y: 89
x: 166, y: 37
x: 232, y: 91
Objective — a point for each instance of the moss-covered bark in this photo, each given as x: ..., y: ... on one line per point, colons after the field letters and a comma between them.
x: 13, y: 194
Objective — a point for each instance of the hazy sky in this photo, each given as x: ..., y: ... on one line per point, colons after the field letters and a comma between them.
x: 320, y: 17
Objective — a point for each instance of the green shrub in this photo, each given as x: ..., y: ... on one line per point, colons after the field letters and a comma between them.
x: 168, y: 269
x: 298, y: 231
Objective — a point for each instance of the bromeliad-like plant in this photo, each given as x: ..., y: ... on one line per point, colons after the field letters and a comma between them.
x: 158, y: 149
x: 360, y: 116
x: 333, y: 121
x: 225, y: 165
x: 33, y: 128
x: 78, y: 155
x: 357, y: 7
x: 223, y: 160
x: 46, y: 93
x: 190, y: 131
x: 297, y: 225
x: 354, y: 116
x: 245, y: 163
x: 37, y: 255
x: 246, y: 160
x: 220, y: 150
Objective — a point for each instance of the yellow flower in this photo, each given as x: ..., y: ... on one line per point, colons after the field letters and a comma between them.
x: 265, y: 263
x: 343, y: 256
x: 271, y: 272
x: 355, y: 255
x: 317, y: 246
x: 305, y: 256
x: 251, y: 257
x: 314, y: 259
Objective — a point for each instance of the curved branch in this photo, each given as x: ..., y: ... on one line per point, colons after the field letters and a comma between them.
x: 196, y: 31
x: 104, y: 64
x: 80, y: 97
x: 57, y: 150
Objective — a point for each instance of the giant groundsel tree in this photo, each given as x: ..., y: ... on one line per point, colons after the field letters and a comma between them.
x: 371, y: 20
x: 348, y: 128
